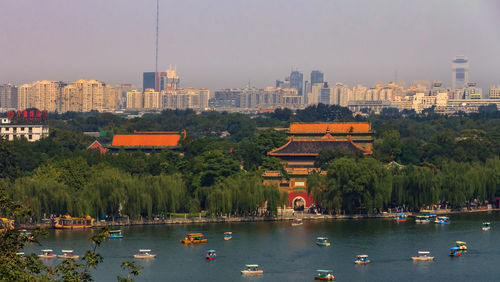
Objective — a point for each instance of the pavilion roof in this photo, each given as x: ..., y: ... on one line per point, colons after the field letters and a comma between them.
x: 312, y: 146
x: 347, y: 127
x: 148, y: 139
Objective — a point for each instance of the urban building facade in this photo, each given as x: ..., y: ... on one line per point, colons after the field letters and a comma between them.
x: 459, y: 72
x: 8, y: 96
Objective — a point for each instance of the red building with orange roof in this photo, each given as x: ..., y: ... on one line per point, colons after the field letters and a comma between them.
x: 305, y: 143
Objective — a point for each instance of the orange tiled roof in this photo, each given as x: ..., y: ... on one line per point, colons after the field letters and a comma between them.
x: 144, y: 140
x: 331, y: 127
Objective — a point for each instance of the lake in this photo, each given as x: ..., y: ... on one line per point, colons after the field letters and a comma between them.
x: 287, y: 253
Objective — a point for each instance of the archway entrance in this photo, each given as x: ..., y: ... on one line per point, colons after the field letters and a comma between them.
x: 298, y: 203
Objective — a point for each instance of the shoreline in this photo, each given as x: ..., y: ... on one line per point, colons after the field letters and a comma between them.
x: 304, y: 216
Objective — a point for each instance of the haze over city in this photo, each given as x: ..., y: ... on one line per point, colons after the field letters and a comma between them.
x: 223, y: 44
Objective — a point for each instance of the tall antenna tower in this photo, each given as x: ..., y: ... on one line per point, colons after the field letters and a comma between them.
x: 157, y: 17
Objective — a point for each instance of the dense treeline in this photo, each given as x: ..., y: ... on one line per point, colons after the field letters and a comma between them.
x: 367, y: 185
x: 451, y: 160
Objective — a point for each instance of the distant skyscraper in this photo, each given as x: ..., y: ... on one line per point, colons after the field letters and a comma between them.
x: 297, y: 81
x: 148, y: 80
x: 316, y: 77
x: 161, y: 80
x: 8, y: 96
x: 459, y: 72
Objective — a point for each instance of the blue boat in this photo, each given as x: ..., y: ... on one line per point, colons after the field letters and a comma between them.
x: 401, y: 217
x: 455, y: 252
x: 115, y: 234
x: 211, y: 254
x: 442, y: 220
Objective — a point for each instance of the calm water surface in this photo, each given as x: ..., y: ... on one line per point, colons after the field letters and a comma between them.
x: 288, y: 253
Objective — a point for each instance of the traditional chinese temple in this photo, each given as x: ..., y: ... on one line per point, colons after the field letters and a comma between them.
x: 299, y: 154
x: 146, y: 141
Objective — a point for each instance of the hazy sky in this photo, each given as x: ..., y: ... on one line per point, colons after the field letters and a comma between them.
x: 226, y: 43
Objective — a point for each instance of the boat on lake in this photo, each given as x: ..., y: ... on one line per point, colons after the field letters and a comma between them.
x: 114, y: 234
x: 455, y: 252
x: 422, y: 219
x: 401, y: 217
x: 6, y: 224
x: 20, y: 254
x: 297, y: 222
x: 47, y: 254
x: 442, y: 220
x: 362, y: 259
x: 194, y: 238
x: 68, y: 222
x: 325, y: 275
x: 25, y: 234
x: 144, y: 254
x: 322, y: 241
x: 228, y: 236
x: 252, y: 269
x: 423, y: 256
x: 486, y: 226
x: 431, y: 215
x: 67, y: 254
x: 461, y: 245
x: 211, y: 254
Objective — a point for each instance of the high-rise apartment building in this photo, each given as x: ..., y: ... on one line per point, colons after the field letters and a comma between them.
x: 8, y: 96
x: 472, y: 91
x: 297, y: 81
x: 135, y: 100
x: 317, y: 77
x: 44, y: 95
x: 436, y: 88
x: 459, y: 72
x: 152, y: 99
x: 495, y: 92
x: 89, y: 95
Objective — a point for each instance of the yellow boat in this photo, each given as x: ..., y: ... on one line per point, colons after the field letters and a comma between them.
x: 461, y: 245
x: 6, y: 224
x: 68, y: 222
x: 194, y: 238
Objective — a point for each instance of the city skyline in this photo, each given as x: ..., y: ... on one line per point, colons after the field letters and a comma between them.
x: 347, y: 41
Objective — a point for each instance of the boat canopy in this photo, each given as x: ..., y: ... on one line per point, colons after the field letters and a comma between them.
x: 486, y: 223
x: 324, y: 270
x: 455, y: 248
x: 228, y: 233
x: 67, y: 251
x: 47, y: 251
x: 20, y: 254
x: 211, y: 251
x: 460, y: 242
x: 362, y: 256
x: 252, y: 265
x: 321, y: 238
x: 424, y: 252
x: 444, y: 217
x: 195, y: 234
x: 400, y: 214
x: 144, y: 251
x: 115, y: 231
